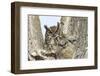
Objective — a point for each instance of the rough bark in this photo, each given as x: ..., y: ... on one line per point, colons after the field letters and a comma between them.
x: 35, y: 37
x: 75, y: 29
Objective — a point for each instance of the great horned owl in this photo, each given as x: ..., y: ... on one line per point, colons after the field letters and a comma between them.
x: 52, y: 36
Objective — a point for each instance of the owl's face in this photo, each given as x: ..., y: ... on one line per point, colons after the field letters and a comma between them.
x: 52, y: 34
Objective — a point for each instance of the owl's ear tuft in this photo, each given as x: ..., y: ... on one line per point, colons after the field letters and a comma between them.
x: 57, y: 23
x: 47, y: 29
x: 58, y: 26
x: 45, y: 26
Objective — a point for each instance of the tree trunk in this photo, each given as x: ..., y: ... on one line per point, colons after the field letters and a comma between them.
x: 75, y: 29
x: 35, y: 37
